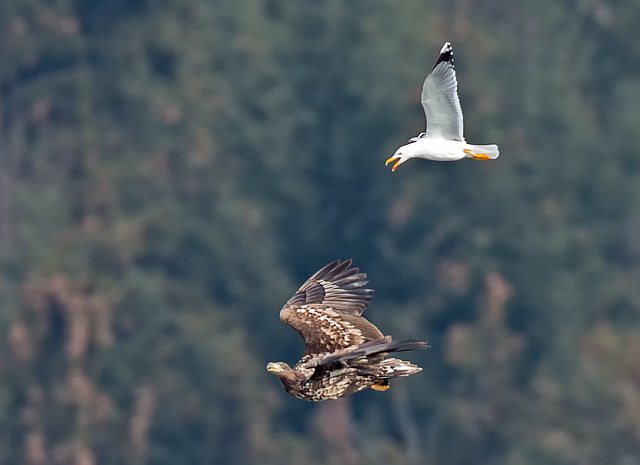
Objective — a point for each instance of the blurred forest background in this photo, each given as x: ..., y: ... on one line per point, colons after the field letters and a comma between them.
x: 171, y: 171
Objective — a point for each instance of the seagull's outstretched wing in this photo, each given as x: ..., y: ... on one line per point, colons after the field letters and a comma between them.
x: 440, y: 98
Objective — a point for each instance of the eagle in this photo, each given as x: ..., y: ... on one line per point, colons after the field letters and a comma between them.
x: 343, y: 352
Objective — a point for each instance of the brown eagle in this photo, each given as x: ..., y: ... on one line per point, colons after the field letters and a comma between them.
x: 344, y: 353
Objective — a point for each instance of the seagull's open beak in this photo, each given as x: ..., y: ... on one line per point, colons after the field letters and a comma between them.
x: 398, y: 160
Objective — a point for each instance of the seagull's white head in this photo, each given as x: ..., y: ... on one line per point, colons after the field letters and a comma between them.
x: 401, y: 155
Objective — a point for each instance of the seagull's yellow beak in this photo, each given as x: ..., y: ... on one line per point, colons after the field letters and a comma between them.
x: 398, y: 160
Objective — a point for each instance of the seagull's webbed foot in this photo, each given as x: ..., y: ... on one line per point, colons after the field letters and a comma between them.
x: 476, y: 155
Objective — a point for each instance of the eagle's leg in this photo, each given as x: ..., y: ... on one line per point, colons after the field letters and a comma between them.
x: 381, y: 385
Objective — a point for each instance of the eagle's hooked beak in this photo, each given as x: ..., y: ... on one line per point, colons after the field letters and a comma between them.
x: 395, y: 158
x: 273, y: 367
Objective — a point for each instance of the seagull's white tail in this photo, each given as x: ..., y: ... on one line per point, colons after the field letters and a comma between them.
x: 483, y: 152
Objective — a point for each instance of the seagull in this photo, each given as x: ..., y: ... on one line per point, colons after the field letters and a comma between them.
x: 443, y: 139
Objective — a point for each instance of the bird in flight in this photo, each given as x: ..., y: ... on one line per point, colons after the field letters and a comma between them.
x: 343, y: 352
x: 443, y: 139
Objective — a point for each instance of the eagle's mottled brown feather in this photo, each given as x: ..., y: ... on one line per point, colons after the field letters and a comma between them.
x: 326, y: 309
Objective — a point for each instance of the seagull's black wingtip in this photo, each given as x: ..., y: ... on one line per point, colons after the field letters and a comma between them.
x: 446, y: 55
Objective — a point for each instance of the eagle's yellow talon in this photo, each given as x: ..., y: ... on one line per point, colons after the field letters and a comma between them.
x: 381, y: 386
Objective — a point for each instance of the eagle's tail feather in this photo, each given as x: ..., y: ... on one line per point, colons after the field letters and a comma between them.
x: 395, y: 368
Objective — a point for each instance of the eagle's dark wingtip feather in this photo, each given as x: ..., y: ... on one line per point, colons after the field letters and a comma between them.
x: 355, y: 286
x: 350, y: 280
x: 341, y: 274
x: 330, y: 271
x: 410, y: 344
x: 325, y: 270
x: 347, y: 273
x: 336, y: 285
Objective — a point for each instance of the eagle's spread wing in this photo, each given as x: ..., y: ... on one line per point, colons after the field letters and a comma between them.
x: 335, y: 285
x: 440, y: 98
x: 326, y: 309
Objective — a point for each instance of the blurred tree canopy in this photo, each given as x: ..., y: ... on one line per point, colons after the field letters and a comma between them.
x: 171, y: 170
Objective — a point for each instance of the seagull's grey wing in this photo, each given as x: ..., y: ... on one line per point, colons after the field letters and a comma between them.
x: 440, y: 98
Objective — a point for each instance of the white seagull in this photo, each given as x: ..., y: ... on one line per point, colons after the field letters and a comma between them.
x: 443, y: 139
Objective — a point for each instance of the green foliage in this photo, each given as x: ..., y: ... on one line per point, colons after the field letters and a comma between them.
x: 170, y: 171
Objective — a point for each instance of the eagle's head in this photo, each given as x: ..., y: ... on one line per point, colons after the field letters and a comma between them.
x: 278, y: 368
x: 290, y: 378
